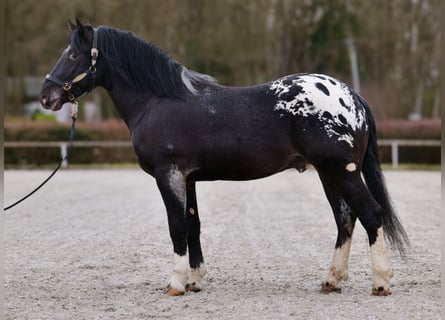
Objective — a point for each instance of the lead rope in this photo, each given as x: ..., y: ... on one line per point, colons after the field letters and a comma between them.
x: 65, y: 157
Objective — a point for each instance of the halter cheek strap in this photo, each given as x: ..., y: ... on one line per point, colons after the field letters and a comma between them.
x: 67, y: 86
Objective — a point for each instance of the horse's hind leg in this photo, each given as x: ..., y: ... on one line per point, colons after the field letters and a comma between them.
x: 197, y: 270
x: 360, y: 200
x: 345, y: 220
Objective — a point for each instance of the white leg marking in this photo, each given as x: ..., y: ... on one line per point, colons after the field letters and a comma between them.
x: 351, y: 167
x: 181, y: 269
x: 196, y: 276
x: 176, y: 181
x: 380, y: 264
x: 339, y: 267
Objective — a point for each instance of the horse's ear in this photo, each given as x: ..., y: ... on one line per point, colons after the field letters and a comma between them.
x: 80, y: 27
x: 71, y: 26
x: 84, y: 30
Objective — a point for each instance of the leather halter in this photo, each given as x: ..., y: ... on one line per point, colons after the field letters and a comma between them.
x: 67, y: 86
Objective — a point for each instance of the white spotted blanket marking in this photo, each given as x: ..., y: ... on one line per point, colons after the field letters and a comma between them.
x: 323, y: 97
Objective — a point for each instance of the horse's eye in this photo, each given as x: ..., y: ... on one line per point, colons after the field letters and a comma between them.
x: 73, y: 56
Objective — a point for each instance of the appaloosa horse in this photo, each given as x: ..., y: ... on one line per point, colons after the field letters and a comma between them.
x: 185, y: 128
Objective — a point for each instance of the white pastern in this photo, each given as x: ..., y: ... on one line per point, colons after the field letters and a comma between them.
x: 195, y: 277
x: 181, y: 270
x: 381, y: 267
x: 324, y: 97
x: 339, y: 267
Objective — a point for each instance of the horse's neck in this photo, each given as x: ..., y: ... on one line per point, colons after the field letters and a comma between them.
x: 130, y: 103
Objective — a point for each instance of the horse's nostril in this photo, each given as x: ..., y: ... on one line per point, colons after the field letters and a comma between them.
x: 43, y: 100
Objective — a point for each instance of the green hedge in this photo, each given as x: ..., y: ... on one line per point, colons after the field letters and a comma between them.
x: 52, y: 131
x: 49, y: 131
x: 114, y: 130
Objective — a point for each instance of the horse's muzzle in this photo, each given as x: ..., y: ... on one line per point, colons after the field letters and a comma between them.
x: 50, y: 99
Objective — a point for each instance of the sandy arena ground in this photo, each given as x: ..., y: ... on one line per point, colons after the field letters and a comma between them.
x: 94, y: 244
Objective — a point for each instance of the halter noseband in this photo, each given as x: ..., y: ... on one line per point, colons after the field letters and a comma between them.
x: 66, y: 86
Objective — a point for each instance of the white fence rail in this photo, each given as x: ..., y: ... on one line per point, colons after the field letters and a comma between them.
x: 393, y: 143
x: 396, y: 143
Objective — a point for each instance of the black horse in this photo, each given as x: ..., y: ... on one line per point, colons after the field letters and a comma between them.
x: 185, y: 128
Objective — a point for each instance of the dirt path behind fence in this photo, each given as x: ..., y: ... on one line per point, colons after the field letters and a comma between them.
x: 95, y: 245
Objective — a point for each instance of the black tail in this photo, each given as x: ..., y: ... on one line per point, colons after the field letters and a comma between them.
x: 375, y: 181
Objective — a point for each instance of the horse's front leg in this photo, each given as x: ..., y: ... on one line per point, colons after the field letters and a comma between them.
x: 171, y: 184
x: 197, y: 270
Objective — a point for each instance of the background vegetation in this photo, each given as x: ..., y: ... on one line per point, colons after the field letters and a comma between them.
x: 251, y: 41
x: 241, y: 43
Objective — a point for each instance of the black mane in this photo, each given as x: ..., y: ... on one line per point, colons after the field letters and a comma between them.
x: 145, y: 66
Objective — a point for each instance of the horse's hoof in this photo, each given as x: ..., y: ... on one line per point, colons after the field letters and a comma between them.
x: 381, y: 292
x: 192, y: 287
x: 328, y: 287
x: 172, y: 292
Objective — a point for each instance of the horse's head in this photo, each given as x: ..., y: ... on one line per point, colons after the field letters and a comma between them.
x: 75, y: 72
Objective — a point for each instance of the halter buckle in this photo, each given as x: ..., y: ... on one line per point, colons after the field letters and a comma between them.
x: 67, y: 86
x: 94, y: 54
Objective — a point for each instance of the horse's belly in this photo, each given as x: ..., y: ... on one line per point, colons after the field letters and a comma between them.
x: 247, y: 166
